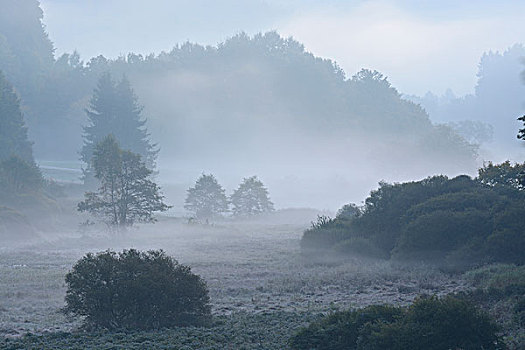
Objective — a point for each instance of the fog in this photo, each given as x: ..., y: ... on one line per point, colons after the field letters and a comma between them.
x: 388, y: 35
x: 336, y: 133
x: 235, y: 119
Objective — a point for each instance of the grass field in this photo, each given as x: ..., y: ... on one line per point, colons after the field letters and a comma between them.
x: 261, y: 287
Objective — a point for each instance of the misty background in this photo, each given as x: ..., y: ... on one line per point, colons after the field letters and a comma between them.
x: 277, y: 90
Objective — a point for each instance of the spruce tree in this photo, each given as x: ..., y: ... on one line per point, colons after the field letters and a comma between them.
x: 114, y: 109
x: 13, y: 132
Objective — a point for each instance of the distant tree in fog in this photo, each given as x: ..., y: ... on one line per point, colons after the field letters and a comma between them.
x: 251, y: 198
x: 126, y: 195
x: 114, y: 109
x: 206, y: 199
x: 13, y: 132
x: 18, y: 176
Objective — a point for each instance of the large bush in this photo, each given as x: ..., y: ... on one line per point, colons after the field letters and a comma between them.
x: 429, y: 323
x: 135, y: 290
x: 459, y: 222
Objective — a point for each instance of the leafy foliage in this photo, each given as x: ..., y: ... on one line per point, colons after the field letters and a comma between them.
x: 207, y: 199
x: 429, y: 323
x: 457, y: 221
x: 126, y: 195
x: 135, y: 290
x: 250, y: 198
x: 504, y: 174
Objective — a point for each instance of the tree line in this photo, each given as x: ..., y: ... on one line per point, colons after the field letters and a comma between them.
x: 288, y: 86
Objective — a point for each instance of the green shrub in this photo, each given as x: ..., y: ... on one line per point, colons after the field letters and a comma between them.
x: 500, y: 289
x: 359, y: 246
x: 428, y: 324
x: 341, y: 330
x: 457, y: 223
x: 135, y: 290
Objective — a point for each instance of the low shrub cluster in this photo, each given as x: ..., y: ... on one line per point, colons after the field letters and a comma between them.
x: 459, y: 221
x: 246, y: 331
x: 500, y: 289
x: 429, y: 323
x: 135, y: 290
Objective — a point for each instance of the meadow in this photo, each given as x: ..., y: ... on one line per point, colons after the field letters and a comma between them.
x: 262, y: 288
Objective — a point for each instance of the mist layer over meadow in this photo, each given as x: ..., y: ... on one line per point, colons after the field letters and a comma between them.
x: 302, y: 161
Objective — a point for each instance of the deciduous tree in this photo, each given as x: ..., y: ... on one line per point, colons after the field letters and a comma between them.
x: 206, y: 199
x: 126, y: 194
x: 251, y: 198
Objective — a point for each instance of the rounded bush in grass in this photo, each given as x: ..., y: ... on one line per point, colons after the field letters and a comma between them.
x: 136, y: 290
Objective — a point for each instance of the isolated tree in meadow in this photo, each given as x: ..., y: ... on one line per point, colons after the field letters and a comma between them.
x: 206, y: 199
x: 114, y: 109
x: 251, y: 198
x: 126, y: 194
x: 13, y: 132
x: 136, y: 290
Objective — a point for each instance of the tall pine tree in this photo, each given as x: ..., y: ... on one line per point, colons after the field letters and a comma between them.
x: 114, y: 109
x: 13, y: 132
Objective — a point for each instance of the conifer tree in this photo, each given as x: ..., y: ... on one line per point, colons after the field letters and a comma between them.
x: 13, y: 132
x: 114, y: 109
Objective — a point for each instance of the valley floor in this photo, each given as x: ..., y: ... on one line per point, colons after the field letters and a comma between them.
x: 261, y: 287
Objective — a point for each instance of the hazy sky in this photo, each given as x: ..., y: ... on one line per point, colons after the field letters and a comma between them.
x: 420, y: 45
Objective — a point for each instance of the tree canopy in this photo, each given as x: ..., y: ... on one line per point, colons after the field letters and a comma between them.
x: 206, y: 200
x: 114, y: 110
x: 459, y: 221
x: 13, y: 132
x: 208, y: 101
x: 251, y: 198
x: 126, y: 194
x: 135, y: 290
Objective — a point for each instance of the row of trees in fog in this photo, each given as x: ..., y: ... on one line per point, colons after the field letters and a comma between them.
x: 207, y: 199
x: 119, y: 160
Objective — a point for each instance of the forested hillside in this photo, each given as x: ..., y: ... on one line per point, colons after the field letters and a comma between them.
x: 491, y: 110
x: 245, y: 98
